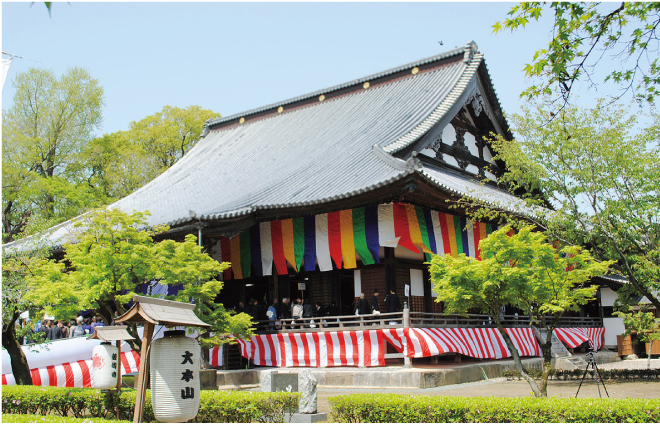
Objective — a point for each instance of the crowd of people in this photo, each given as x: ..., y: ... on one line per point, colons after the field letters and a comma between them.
x: 299, y: 308
x: 59, y: 329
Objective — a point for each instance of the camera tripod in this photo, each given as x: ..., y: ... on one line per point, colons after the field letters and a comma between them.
x: 591, y: 362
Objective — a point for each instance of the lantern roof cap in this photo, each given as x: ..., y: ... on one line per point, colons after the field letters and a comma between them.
x: 117, y: 332
x: 162, y: 312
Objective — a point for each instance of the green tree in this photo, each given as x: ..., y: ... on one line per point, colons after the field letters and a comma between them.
x: 117, y: 164
x: 45, y: 129
x: 113, y: 257
x: 600, y: 177
x: 583, y: 39
x: 15, y: 271
x: 524, y: 270
x: 168, y: 135
x: 644, y: 326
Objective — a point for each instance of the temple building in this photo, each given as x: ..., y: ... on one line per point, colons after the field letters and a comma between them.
x: 346, y: 190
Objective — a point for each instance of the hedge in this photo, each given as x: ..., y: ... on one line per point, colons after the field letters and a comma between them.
x: 390, y: 408
x: 618, y: 374
x: 214, y: 406
x: 28, y: 418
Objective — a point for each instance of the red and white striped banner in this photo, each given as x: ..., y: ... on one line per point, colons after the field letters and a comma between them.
x: 483, y: 343
x: 215, y: 356
x: 322, y: 349
x: 574, y: 337
x: 73, y: 374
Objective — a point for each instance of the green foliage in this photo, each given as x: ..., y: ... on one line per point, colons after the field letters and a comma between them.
x: 215, y: 406
x: 119, y: 163
x: 168, y: 135
x: 576, y: 374
x: 523, y: 270
x: 20, y: 418
x: 53, y: 168
x: 644, y: 326
x: 44, y: 131
x: 389, y: 408
x: 601, y: 178
x: 113, y: 255
x: 583, y: 34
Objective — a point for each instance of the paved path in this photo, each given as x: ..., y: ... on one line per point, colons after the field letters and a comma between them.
x: 500, y: 387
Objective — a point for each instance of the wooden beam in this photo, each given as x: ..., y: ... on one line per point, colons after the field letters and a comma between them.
x: 138, y: 414
x: 118, y: 343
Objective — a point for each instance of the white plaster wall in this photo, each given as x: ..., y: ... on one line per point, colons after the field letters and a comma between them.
x: 416, y: 282
x: 428, y: 152
x: 488, y: 157
x: 613, y: 327
x: 357, y: 282
x: 449, y: 134
x: 490, y: 176
x: 473, y: 169
x: 450, y: 160
x: 471, y: 144
x: 607, y: 296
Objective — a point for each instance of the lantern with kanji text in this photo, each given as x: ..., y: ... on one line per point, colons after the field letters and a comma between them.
x: 175, y: 377
x: 105, y: 366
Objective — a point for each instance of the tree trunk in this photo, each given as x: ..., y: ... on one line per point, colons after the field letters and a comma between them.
x: 546, y: 349
x: 516, y: 359
x: 19, y: 365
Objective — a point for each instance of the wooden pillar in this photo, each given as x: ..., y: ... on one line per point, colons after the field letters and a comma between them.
x: 407, y: 362
x: 118, y: 343
x: 138, y: 414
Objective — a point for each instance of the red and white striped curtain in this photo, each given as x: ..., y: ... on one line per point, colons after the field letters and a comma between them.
x: 323, y: 349
x: 215, y: 356
x: 483, y: 343
x: 73, y: 374
x: 575, y: 336
x: 367, y: 348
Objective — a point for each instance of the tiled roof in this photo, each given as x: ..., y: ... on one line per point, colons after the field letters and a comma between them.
x: 315, y: 153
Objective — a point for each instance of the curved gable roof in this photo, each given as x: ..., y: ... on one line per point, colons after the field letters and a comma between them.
x: 323, y: 146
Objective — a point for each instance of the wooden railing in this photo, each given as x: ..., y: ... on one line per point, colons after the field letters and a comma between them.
x: 406, y: 319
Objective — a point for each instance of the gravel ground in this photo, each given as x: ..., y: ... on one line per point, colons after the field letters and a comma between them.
x: 500, y: 387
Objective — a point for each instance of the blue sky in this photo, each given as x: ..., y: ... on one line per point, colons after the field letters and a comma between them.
x: 231, y: 57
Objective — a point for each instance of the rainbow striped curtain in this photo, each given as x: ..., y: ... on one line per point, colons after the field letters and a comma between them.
x: 341, y: 238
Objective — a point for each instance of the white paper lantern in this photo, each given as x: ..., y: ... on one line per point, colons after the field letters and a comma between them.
x: 174, y: 363
x: 105, y: 366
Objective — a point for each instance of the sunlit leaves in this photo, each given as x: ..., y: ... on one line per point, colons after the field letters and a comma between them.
x: 582, y: 36
x: 601, y: 177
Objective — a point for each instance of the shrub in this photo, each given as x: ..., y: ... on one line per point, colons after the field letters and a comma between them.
x: 214, y: 406
x: 619, y: 374
x: 416, y: 408
x: 28, y: 418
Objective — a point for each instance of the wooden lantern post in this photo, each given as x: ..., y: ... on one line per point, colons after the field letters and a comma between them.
x: 116, y: 334
x: 152, y: 312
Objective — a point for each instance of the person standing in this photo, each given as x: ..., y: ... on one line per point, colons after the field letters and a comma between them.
x: 285, y: 308
x: 99, y: 322
x: 80, y: 328
x: 375, y: 309
x: 271, y: 313
x: 88, y: 327
x: 308, y: 311
x: 66, y: 329
x: 363, y: 306
x: 392, y: 303
x: 333, y: 310
x: 55, y: 331
x: 45, y: 328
